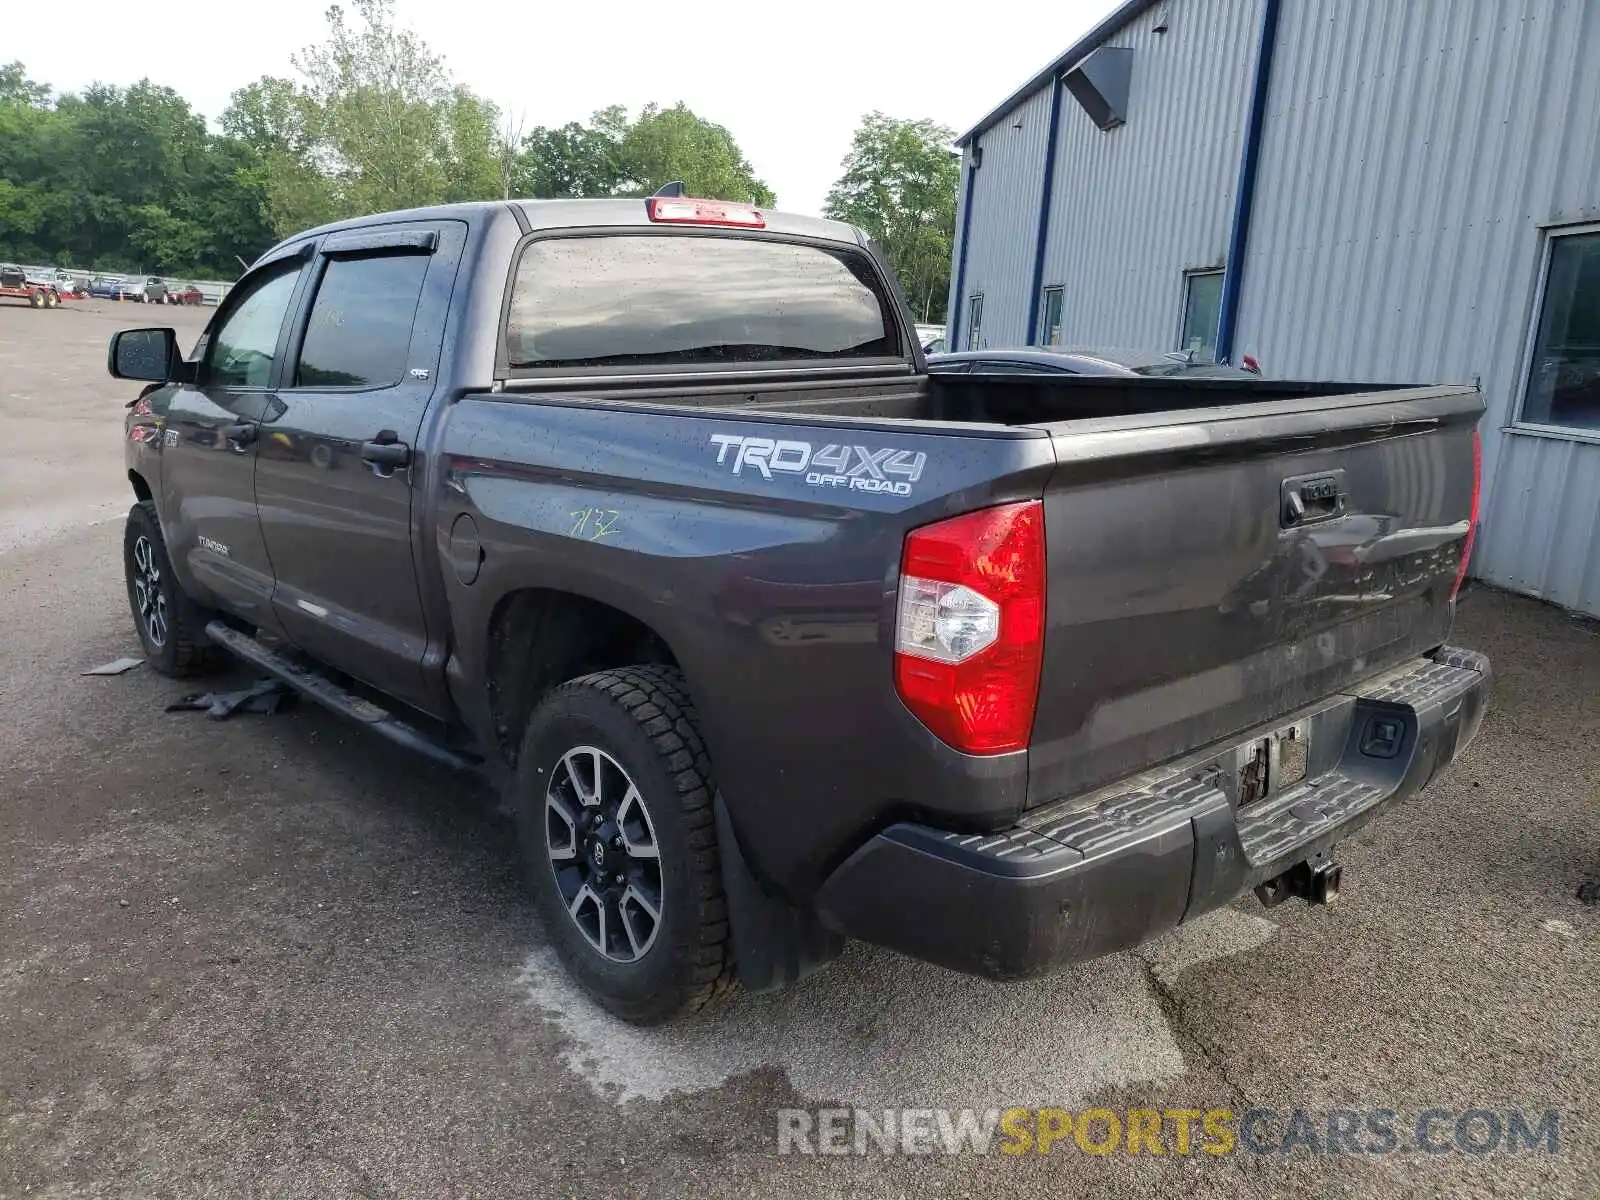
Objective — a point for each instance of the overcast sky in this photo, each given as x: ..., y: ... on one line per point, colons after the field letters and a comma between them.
x: 789, y: 80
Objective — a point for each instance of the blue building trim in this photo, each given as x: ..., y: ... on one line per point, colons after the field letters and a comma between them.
x: 968, y: 185
x: 1114, y: 23
x: 1245, y: 192
x: 1043, y: 232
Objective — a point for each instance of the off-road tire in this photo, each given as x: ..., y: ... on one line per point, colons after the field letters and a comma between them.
x: 643, y: 718
x: 184, y: 650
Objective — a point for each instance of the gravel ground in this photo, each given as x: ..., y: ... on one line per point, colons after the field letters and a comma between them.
x: 276, y: 957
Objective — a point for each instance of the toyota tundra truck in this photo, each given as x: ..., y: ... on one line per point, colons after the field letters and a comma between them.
x: 650, y: 510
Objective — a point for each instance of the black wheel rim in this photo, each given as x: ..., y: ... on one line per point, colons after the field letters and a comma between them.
x: 603, y: 852
x: 148, y: 597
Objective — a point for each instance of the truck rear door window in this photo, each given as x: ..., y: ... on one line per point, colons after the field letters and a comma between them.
x: 664, y: 299
x: 360, y: 327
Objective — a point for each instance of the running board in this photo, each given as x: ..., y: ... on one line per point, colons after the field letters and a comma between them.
x: 342, y: 701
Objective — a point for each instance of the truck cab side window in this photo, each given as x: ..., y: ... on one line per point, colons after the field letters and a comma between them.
x: 359, y: 331
x: 242, y: 349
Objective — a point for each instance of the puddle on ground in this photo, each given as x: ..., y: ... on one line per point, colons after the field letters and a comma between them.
x: 875, y: 1029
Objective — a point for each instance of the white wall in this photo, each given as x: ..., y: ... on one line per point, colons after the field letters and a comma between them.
x: 1414, y: 156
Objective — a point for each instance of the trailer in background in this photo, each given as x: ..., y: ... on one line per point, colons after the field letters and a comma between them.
x: 16, y: 284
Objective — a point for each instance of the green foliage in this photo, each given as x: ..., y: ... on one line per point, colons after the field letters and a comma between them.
x: 572, y: 161
x: 132, y: 179
x: 120, y: 179
x: 672, y: 143
x: 616, y: 156
x: 899, y: 184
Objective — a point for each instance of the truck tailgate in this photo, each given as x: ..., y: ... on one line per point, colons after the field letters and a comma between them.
x: 1214, y: 569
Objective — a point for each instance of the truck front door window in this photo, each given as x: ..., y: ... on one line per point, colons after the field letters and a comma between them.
x: 244, y: 345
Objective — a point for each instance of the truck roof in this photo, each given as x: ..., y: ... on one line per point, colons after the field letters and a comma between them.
x: 573, y: 214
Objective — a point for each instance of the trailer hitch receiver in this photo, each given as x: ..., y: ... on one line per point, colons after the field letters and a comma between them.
x: 1315, y: 881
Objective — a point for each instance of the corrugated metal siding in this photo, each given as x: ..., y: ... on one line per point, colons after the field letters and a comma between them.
x: 1413, y: 153
x: 956, y: 313
x: 1136, y: 206
x: 1542, y: 534
x: 1005, y: 217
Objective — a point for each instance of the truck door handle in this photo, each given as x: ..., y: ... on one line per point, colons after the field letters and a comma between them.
x: 241, y: 435
x: 385, y: 452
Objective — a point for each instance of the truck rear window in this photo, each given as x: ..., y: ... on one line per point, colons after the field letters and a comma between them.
x: 663, y: 299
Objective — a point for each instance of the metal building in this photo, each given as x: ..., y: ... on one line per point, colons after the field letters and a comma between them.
x: 1380, y: 190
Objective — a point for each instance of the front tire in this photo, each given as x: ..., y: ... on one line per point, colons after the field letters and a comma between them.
x: 171, y: 626
x: 614, y: 813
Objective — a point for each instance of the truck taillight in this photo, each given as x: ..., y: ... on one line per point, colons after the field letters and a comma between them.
x: 680, y: 210
x: 1472, y: 524
x: 969, y: 626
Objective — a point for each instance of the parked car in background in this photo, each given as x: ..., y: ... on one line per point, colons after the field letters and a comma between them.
x: 102, y: 287
x: 1176, y: 364
x: 932, y: 338
x: 153, y: 289
x: 73, y: 283
x: 182, y: 293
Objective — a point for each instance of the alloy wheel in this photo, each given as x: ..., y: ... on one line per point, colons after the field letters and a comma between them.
x: 603, y: 851
x: 147, y: 591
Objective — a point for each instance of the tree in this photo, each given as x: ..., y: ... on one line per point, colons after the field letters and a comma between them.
x: 469, y: 149
x: 25, y: 134
x: 17, y: 88
x: 899, y: 184
x: 280, y: 130
x: 572, y: 161
x: 131, y: 178
x: 665, y: 144
x: 230, y: 201
x: 379, y: 92
x: 616, y: 156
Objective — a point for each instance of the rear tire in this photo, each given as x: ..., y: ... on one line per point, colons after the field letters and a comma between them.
x: 613, y: 805
x: 36, y: 298
x: 171, y: 626
x: 51, y: 300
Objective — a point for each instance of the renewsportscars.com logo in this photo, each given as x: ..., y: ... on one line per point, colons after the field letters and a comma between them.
x: 1176, y: 1132
x: 858, y: 468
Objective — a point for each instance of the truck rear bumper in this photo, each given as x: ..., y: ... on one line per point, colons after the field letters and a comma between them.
x: 1103, y: 872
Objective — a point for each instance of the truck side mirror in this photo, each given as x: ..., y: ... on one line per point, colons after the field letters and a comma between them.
x: 150, y: 355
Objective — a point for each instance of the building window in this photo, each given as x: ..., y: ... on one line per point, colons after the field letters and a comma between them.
x: 1202, y: 310
x: 974, y: 321
x: 1050, y: 333
x: 1564, y: 374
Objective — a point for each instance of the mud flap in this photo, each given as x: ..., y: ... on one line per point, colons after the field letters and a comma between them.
x: 774, y: 943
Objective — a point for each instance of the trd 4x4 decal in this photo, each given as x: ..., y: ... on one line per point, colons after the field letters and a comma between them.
x: 859, y: 468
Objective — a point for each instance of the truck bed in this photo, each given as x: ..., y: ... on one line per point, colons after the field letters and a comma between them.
x: 1181, y: 606
x: 999, y: 400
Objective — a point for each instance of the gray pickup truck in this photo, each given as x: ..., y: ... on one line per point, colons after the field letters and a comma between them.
x: 651, y: 510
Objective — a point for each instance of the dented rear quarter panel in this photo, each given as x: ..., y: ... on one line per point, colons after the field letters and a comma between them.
x: 775, y: 594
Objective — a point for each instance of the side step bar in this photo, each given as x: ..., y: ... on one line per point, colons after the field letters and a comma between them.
x: 342, y: 701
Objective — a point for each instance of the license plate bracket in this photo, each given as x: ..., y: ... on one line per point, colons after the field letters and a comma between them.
x: 1268, y: 766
